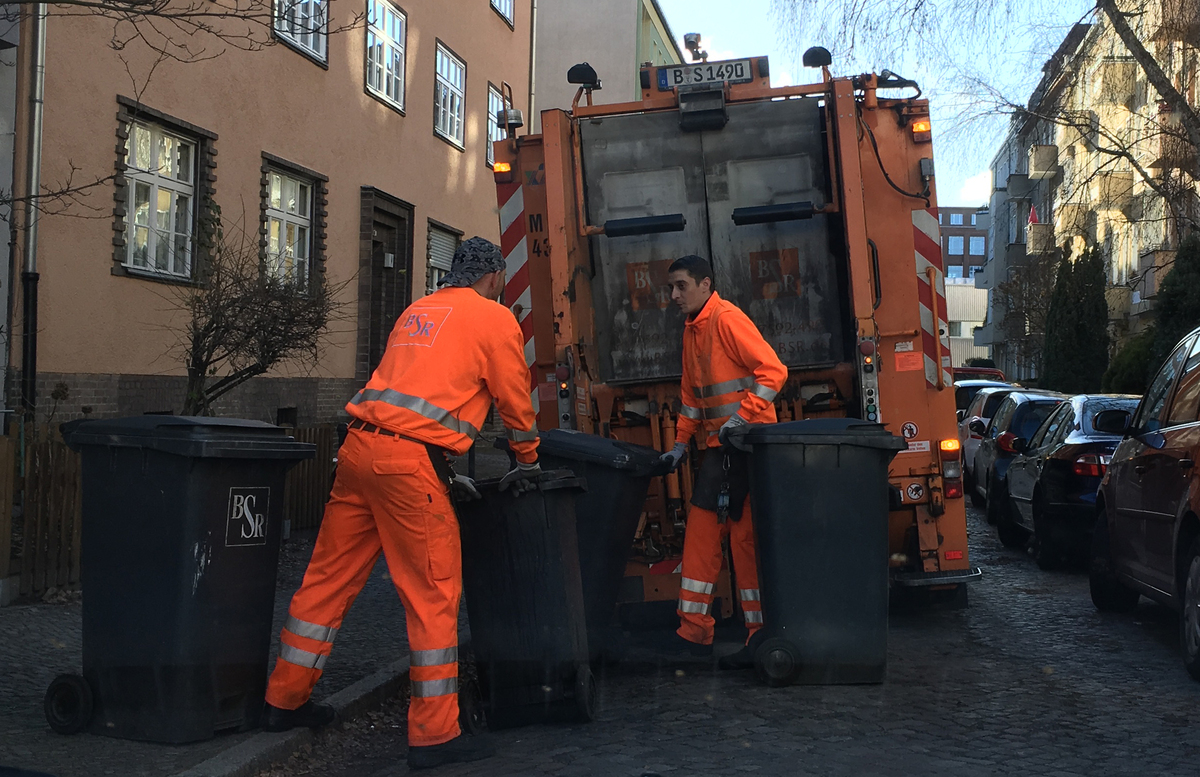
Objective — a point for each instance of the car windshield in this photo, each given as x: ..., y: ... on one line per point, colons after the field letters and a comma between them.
x: 993, y: 402
x: 1035, y: 413
x: 1094, y: 406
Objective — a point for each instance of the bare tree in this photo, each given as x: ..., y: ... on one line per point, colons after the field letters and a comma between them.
x: 244, y: 316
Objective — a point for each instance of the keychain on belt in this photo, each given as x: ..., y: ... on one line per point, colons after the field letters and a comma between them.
x: 723, y: 494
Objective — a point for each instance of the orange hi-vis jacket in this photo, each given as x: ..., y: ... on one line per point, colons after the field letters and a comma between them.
x: 450, y: 354
x: 727, y: 368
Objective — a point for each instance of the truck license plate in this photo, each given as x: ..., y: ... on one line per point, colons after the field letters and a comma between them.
x: 734, y: 71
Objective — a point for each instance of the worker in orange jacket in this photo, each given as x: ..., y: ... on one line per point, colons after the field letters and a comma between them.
x: 449, y: 356
x: 730, y: 378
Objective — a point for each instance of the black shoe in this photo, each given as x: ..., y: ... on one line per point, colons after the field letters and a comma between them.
x: 308, y: 714
x: 743, y: 659
x: 681, y: 645
x: 461, y: 749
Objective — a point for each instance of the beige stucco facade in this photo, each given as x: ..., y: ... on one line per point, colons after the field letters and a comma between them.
x: 274, y: 104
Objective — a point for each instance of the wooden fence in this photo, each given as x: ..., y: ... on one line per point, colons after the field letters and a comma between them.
x: 41, y: 544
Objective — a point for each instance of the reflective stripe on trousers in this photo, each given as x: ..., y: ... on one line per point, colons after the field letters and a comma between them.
x: 696, y: 586
x: 423, y: 689
x: 436, y: 657
x: 748, y: 594
x: 694, y: 608
x: 753, y: 616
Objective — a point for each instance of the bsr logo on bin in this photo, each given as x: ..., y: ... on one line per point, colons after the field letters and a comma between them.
x: 246, y: 521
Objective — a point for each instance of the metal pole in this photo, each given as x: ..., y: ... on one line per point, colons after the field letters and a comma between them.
x: 532, y: 69
x: 33, y: 171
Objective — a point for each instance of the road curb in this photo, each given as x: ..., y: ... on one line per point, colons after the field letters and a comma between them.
x: 264, y: 749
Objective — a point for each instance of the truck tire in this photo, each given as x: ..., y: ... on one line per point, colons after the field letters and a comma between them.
x: 1189, y: 619
x: 1108, y: 593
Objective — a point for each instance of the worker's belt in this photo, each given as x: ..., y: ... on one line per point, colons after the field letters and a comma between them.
x: 437, y: 456
x: 713, y: 476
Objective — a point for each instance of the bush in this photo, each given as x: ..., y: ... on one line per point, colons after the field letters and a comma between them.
x: 1129, y: 372
x: 1177, y: 310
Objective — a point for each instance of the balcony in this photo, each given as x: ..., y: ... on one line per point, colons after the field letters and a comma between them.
x: 1043, y: 162
x: 1171, y: 148
x: 1113, y: 189
x: 1015, y: 255
x: 1118, y: 81
x: 1151, y: 266
x: 1019, y: 187
x: 1071, y: 218
x: 1039, y: 239
x: 985, y: 335
x: 1179, y: 20
x: 1119, y: 299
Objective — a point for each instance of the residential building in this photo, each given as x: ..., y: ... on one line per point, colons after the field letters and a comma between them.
x: 352, y: 154
x: 964, y: 240
x: 614, y: 36
x: 966, y: 309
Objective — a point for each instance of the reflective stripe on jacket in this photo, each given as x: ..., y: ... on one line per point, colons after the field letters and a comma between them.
x: 727, y: 368
x: 450, y: 354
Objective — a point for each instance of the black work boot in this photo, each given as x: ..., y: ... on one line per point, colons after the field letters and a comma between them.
x: 309, y: 714
x: 681, y: 645
x: 461, y: 749
x: 743, y: 659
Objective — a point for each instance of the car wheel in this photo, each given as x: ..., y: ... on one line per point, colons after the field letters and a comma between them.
x: 969, y: 484
x: 1011, y: 535
x: 1108, y: 593
x: 1189, y: 621
x: 1047, y: 552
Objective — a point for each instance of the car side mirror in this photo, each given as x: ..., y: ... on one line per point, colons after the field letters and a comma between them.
x: 960, y: 414
x: 1112, y: 421
x: 977, y: 426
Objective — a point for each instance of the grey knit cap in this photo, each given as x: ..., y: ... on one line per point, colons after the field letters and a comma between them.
x: 473, y: 259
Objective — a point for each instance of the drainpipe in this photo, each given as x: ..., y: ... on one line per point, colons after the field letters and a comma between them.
x: 532, y: 68
x: 33, y: 171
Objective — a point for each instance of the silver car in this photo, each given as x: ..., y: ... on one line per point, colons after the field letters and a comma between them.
x: 982, y: 406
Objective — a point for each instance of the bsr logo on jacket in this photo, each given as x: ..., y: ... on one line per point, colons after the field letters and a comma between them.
x: 420, y: 327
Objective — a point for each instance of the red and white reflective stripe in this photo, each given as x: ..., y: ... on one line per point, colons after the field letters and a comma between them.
x: 515, y: 248
x: 927, y: 244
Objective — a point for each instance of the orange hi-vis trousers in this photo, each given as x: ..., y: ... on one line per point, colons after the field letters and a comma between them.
x: 386, y: 497
x: 702, y: 565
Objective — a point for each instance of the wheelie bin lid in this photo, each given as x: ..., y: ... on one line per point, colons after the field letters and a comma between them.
x: 593, y: 449
x: 194, y: 436
x: 826, y: 431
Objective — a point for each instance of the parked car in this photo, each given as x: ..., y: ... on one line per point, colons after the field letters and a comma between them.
x: 968, y: 373
x: 1019, y: 415
x: 982, y: 408
x: 965, y: 391
x: 1146, y: 541
x: 1052, y: 482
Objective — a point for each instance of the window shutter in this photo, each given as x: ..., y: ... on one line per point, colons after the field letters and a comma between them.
x: 442, y: 245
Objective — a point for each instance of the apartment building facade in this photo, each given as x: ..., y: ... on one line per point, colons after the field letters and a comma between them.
x: 354, y: 150
x: 964, y: 240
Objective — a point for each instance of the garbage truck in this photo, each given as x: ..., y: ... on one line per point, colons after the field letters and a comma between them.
x: 816, y: 205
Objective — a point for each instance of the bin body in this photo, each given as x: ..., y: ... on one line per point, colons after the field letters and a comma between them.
x: 182, y: 519
x: 606, y: 515
x: 525, y: 601
x: 820, y: 506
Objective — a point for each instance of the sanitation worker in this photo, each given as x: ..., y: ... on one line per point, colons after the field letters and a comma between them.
x: 449, y: 356
x: 730, y: 379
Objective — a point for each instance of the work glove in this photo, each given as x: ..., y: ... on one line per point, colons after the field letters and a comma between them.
x: 731, y: 426
x: 674, y: 457
x: 521, y: 478
x: 463, y: 489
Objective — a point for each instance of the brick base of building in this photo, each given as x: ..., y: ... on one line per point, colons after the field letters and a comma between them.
x: 298, y: 401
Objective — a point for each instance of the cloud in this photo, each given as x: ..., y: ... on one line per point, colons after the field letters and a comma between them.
x: 976, y: 190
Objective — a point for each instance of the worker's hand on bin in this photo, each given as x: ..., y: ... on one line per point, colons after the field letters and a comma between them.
x: 463, y: 489
x: 673, y: 458
x: 522, y: 478
x: 731, y: 426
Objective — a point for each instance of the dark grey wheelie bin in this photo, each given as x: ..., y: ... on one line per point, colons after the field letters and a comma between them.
x: 182, y: 519
x: 524, y: 602
x: 618, y: 477
x: 819, y: 494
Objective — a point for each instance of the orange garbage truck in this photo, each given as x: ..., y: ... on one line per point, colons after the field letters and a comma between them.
x: 816, y: 205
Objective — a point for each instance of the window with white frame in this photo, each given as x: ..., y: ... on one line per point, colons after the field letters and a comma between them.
x: 495, y: 130
x: 954, y: 271
x: 504, y: 8
x: 304, y: 23
x: 954, y: 245
x: 449, y: 96
x: 161, y: 168
x: 977, y: 246
x: 974, y: 219
x: 956, y: 219
x: 440, y: 247
x: 289, y: 227
x: 386, y: 33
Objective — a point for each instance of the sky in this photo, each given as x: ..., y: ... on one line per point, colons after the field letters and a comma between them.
x: 965, y: 78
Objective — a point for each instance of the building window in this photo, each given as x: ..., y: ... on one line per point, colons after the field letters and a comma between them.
x: 954, y: 271
x: 161, y: 168
x: 977, y: 246
x: 940, y: 220
x: 449, y: 95
x: 974, y: 269
x: 954, y: 244
x: 495, y: 131
x: 955, y: 328
x: 303, y: 23
x: 440, y: 248
x: 974, y: 217
x: 289, y: 227
x: 956, y: 219
x: 504, y: 8
x: 386, y: 30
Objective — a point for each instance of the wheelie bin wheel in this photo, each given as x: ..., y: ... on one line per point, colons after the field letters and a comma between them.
x: 69, y: 704
x: 470, y: 708
x: 585, y: 693
x: 777, y: 662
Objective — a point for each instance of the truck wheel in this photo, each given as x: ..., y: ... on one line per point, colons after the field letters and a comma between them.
x: 69, y: 704
x: 777, y: 662
x: 585, y: 693
x: 1108, y: 593
x: 1189, y: 621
